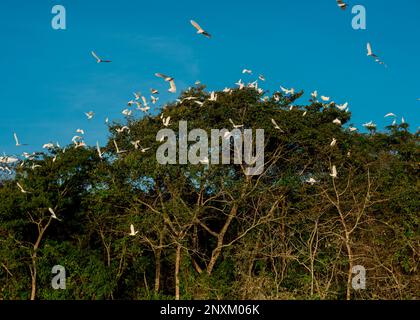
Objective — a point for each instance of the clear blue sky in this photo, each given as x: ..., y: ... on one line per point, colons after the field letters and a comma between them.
x: 49, y: 79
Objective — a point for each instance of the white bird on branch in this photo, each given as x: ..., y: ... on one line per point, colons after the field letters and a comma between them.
x: 342, y: 107
x: 166, y: 121
x: 334, y: 173
x: 122, y: 129
x: 311, y: 181
x: 240, y: 84
x: 117, y: 149
x: 235, y: 125
x: 127, y: 112
x: 136, y: 144
x: 213, y: 96
x: 276, y: 126
x: 287, y: 91
x: 98, y: 149
x: 21, y: 188
x: 53, y: 215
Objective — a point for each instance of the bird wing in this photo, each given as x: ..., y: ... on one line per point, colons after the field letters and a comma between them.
x: 98, y: 149
x: 116, y: 146
x: 16, y: 138
x: 161, y: 75
x: 172, y: 85
x: 369, y: 48
x: 196, y: 25
x: 95, y: 56
x: 274, y: 122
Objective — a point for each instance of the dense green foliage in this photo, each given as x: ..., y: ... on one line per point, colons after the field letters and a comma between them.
x: 211, y: 232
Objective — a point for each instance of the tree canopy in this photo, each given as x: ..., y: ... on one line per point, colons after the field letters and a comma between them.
x: 210, y: 231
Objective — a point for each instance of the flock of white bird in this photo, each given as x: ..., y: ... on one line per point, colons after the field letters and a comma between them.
x: 143, y: 105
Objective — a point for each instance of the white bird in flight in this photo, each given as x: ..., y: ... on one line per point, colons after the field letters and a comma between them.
x: 99, y: 60
x: 154, y: 99
x: 200, y: 30
x: 390, y: 115
x: 98, y: 149
x: 164, y: 77
x: 137, y: 95
x: 373, y: 55
x: 342, y: 107
x: 247, y: 71
x: 287, y: 91
x: 133, y: 232
x: 90, y: 115
x: 325, y: 99
x: 18, y: 144
x: 172, y: 85
x: 342, y: 4
x: 240, y: 84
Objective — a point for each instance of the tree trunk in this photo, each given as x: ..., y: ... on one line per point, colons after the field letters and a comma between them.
x: 33, y: 277
x: 177, y: 264
x: 220, y: 240
x: 158, y: 254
